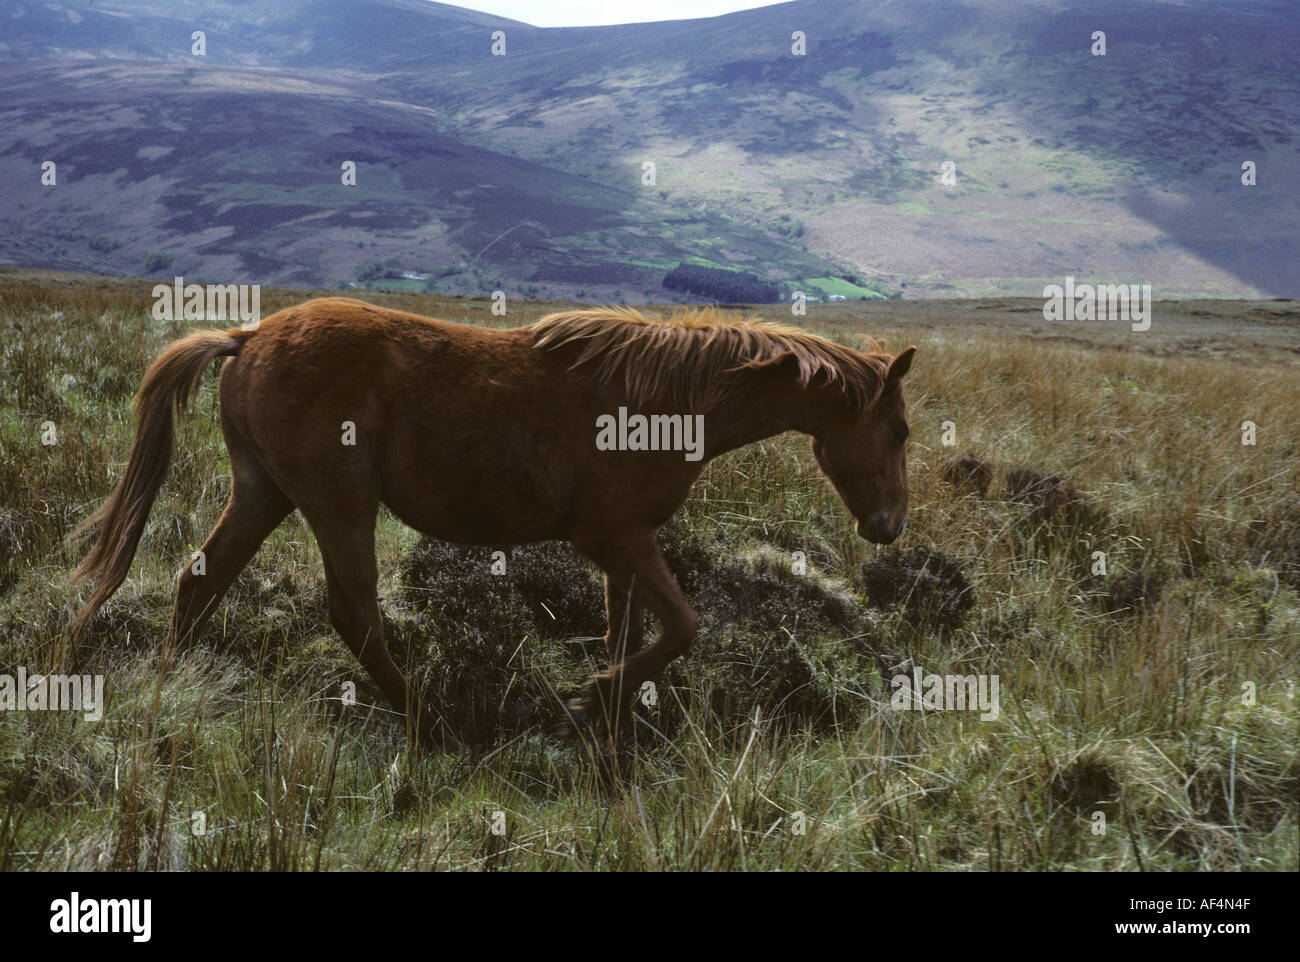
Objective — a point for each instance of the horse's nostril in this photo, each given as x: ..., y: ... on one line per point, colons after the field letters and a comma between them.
x: 879, y: 528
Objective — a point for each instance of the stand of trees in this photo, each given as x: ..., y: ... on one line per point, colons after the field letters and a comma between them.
x: 377, y: 269
x: 722, y: 286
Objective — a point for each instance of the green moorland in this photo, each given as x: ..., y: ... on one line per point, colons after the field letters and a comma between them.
x: 1148, y: 715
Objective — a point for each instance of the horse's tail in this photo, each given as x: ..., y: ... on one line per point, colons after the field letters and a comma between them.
x: 171, y: 382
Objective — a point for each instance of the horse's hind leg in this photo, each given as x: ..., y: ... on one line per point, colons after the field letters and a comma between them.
x: 255, y: 507
x: 346, y: 537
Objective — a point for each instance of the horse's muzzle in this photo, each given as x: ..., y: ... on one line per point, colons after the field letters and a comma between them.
x: 880, y: 529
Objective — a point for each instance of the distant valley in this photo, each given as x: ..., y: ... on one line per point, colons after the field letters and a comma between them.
x: 590, y: 163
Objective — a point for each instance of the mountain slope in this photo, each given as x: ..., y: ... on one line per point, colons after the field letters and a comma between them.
x: 1125, y: 167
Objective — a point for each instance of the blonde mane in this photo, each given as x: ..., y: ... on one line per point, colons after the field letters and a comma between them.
x: 688, y: 359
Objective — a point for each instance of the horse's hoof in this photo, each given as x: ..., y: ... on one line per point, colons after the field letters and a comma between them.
x: 576, y: 718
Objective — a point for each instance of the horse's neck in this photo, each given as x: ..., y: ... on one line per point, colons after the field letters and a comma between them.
x: 761, y: 409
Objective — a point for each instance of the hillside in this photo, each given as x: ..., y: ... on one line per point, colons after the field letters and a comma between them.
x: 524, y: 171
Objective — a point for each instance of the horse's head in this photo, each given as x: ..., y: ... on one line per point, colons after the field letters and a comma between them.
x: 865, y: 456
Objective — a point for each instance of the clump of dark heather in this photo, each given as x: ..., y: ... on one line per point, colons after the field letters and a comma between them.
x: 969, y: 474
x: 927, y: 584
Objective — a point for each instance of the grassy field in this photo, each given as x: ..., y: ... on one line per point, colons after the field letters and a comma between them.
x: 1148, y: 715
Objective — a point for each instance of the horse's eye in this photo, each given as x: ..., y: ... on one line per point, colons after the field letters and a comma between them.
x: 900, y: 437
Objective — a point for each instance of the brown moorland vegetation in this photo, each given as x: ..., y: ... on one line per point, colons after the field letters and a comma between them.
x: 1160, y: 694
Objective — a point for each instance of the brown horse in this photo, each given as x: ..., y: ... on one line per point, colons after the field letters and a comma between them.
x: 491, y: 437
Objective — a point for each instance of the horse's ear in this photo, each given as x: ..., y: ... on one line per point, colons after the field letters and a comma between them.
x: 899, y: 366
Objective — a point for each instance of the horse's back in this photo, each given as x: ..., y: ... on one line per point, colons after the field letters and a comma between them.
x: 460, y: 430
x: 355, y: 349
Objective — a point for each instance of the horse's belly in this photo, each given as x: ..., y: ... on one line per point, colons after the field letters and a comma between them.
x: 479, y: 524
x: 485, y: 507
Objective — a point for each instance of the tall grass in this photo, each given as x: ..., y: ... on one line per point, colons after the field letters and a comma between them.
x: 774, y: 745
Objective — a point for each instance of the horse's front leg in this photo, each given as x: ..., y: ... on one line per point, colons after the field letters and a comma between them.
x: 624, y: 633
x: 635, y: 567
x: 625, y: 619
